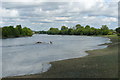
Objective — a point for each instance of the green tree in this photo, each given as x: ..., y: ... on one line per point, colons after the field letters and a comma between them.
x: 81, y: 30
x: 10, y: 31
x: 5, y: 32
x: 118, y: 31
x: 64, y: 28
x: 19, y: 29
x: 87, y: 27
x: 78, y: 26
x: 104, y: 30
x: 111, y: 31
x: 53, y: 31
x: 17, y: 32
x: 70, y: 31
x: 0, y: 32
x: 27, y: 31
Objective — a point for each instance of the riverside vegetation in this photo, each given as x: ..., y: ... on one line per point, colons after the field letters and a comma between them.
x: 18, y: 31
x: 81, y: 30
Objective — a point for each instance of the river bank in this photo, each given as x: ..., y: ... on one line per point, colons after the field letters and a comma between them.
x: 100, y: 63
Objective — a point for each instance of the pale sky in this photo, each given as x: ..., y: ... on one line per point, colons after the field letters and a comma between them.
x: 43, y: 14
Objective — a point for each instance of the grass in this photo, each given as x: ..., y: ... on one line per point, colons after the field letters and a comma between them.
x: 101, y: 63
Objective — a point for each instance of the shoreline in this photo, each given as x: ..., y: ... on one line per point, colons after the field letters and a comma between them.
x: 53, y: 72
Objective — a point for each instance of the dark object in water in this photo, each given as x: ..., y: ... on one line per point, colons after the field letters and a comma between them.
x: 50, y: 42
x: 43, y: 42
x: 38, y: 42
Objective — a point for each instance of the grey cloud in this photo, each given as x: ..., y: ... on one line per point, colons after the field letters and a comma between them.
x: 36, y: 13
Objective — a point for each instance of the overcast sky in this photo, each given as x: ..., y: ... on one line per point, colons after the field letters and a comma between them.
x: 43, y: 14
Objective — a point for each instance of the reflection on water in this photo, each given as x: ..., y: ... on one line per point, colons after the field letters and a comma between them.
x: 22, y: 56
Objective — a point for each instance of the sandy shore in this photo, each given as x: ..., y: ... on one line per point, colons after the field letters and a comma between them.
x: 101, y: 63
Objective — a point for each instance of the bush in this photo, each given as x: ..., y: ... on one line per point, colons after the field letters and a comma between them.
x: 10, y: 31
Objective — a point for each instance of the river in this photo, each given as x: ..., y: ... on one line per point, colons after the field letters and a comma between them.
x: 22, y: 56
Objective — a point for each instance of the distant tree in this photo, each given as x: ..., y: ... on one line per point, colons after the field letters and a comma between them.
x: 81, y: 30
x: 27, y: 31
x: 10, y: 31
x: 5, y: 32
x: 97, y: 32
x: 87, y: 27
x: 104, y: 27
x: 104, y: 30
x: 42, y: 32
x: 53, y: 31
x: 17, y: 32
x: 111, y: 32
x: 78, y: 26
x: 64, y: 28
x: 19, y: 28
x: 92, y: 31
x: 70, y: 31
x: 64, y: 32
x: 0, y: 32
x: 118, y: 31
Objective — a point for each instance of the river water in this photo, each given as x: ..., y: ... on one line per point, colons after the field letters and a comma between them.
x: 21, y: 56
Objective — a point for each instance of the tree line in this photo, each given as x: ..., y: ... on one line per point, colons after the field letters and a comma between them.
x: 79, y: 30
x: 18, y: 31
